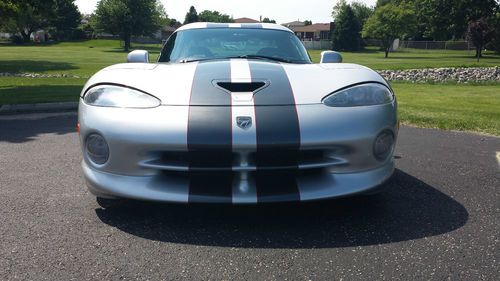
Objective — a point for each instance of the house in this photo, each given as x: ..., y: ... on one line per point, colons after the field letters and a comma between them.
x: 5, y: 35
x: 313, y: 32
x: 169, y: 30
x: 245, y: 20
x: 294, y: 24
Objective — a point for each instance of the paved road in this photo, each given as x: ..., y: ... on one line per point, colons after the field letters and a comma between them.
x: 439, y: 220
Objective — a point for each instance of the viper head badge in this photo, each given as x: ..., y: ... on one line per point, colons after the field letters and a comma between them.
x: 244, y: 122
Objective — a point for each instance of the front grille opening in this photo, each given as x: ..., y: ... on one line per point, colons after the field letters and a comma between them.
x: 289, y: 159
x: 226, y: 161
x: 241, y: 87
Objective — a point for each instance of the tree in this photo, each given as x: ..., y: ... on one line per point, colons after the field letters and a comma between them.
x: 381, y: 3
x: 361, y: 11
x: 7, y: 9
x: 128, y: 18
x: 338, y: 7
x: 465, y: 11
x: 495, y: 42
x: 268, y: 20
x: 25, y: 16
x: 346, y: 35
x: 173, y: 22
x: 390, y: 22
x: 214, y: 16
x: 191, y: 16
x: 307, y: 22
x: 67, y: 18
x: 480, y: 32
x: 448, y: 19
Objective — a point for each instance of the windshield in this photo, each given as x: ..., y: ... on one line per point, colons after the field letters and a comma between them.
x: 220, y: 43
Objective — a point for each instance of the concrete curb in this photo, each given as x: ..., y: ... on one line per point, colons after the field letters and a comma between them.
x: 10, y: 109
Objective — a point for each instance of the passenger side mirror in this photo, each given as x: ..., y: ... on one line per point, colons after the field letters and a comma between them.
x: 330, y: 57
x: 138, y: 56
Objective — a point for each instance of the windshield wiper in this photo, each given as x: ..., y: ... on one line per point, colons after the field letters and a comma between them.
x: 191, y: 60
x: 262, y: 57
x: 239, y: 57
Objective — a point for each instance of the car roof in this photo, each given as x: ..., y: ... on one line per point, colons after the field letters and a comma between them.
x: 201, y: 25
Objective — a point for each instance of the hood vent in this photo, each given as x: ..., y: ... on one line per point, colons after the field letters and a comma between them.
x: 242, y: 87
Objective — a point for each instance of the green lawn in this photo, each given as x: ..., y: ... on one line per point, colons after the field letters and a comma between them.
x: 413, y: 58
x: 78, y: 58
x: 452, y: 107
x: 444, y: 106
x: 18, y: 90
x: 87, y: 57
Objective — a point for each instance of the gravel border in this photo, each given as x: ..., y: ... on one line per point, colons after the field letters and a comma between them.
x: 459, y: 75
x: 449, y: 74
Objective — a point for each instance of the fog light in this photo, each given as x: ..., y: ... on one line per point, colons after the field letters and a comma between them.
x: 97, y: 149
x: 383, y: 145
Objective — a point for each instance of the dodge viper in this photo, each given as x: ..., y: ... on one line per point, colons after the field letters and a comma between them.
x: 236, y: 113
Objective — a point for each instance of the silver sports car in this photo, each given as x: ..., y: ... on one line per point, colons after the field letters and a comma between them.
x: 236, y: 113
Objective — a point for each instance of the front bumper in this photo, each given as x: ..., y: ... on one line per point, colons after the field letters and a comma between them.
x: 148, y: 151
x: 163, y: 187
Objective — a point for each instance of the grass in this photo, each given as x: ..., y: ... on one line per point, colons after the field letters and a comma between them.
x: 445, y: 106
x: 413, y: 58
x: 77, y: 58
x: 18, y: 90
x: 87, y: 57
x: 473, y: 108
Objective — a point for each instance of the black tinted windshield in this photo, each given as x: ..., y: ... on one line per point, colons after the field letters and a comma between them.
x: 219, y: 43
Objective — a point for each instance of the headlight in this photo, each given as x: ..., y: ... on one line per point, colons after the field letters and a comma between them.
x: 360, y: 95
x: 116, y: 96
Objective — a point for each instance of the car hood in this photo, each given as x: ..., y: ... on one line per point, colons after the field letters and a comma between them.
x: 212, y: 82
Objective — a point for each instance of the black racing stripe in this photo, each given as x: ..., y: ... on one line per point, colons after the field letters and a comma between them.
x: 217, y: 25
x: 279, y: 92
x: 203, y: 91
x: 209, y: 136
x: 276, y: 115
x: 278, y: 133
x: 210, y: 188
x: 276, y: 187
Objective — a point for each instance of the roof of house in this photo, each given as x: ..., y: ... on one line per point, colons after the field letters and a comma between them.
x: 169, y: 28
x: 294, y: 23
x: 312, y: 28
x: 245, y: 20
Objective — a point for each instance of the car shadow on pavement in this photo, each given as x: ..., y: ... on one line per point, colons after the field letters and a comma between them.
x: 408, y: 209
x: 25, y: 130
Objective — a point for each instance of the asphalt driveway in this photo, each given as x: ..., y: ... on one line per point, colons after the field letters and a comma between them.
x: 439, y: 219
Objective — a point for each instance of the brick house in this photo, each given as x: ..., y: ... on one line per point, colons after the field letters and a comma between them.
x: 313, y: 32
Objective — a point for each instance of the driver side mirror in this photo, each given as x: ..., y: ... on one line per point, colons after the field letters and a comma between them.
x: 138, y: 56
x: 330, y: 57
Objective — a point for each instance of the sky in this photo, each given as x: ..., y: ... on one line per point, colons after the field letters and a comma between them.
x: 280, y: 10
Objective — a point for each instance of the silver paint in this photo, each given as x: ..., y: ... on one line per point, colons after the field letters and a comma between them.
x: 137, y: 137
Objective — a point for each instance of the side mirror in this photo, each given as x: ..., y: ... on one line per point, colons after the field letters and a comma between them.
x: 138, y: 56
x: 330, y: 57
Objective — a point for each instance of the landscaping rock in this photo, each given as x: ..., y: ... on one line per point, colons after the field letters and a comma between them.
x: 459, y: 75
x: 39, y: 75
